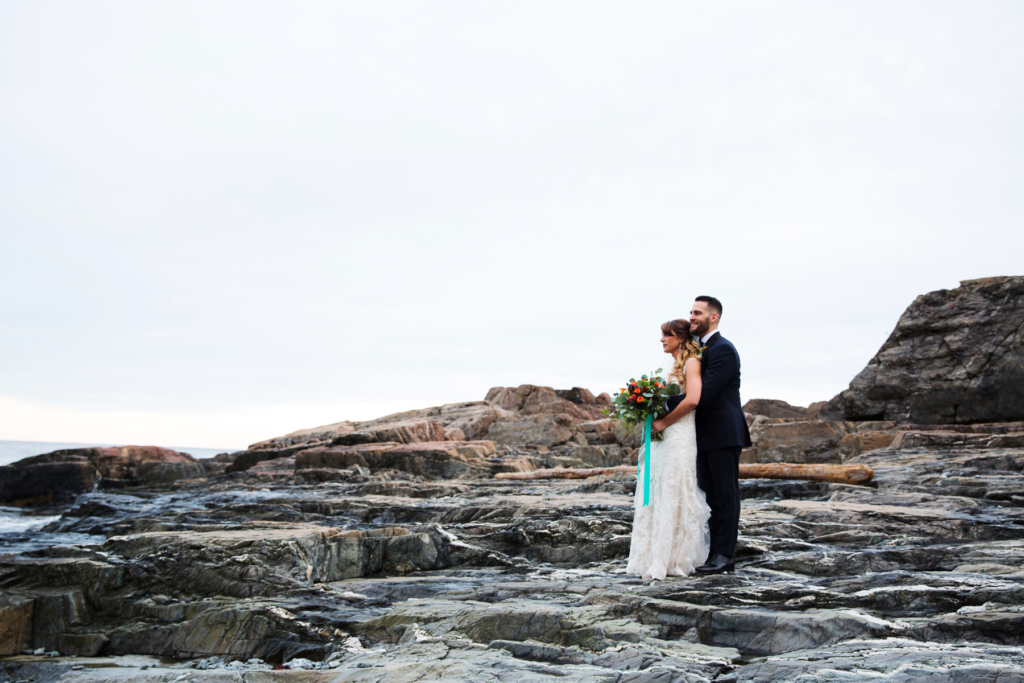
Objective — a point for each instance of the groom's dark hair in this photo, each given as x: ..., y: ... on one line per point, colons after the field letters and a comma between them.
x: 713, y: 304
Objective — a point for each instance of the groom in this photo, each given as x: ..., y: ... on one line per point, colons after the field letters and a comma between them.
x: 721, y: 433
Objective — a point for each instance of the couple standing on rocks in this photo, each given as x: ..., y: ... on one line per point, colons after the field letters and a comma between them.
x: 694, y: 512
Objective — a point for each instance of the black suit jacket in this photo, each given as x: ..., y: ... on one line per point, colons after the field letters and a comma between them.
x: 720, y: 421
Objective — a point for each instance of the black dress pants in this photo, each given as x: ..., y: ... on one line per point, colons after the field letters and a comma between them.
x: 718, y: 475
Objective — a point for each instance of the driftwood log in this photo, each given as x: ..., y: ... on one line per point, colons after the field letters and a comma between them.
x: 836, y: 474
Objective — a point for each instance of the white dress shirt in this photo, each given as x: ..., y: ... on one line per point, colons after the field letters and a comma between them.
x: 704, y: 340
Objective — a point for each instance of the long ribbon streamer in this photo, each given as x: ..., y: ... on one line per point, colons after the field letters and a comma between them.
x: 647, y: 460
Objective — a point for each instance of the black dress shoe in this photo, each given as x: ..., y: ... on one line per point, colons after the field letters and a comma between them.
x: 717, y: 565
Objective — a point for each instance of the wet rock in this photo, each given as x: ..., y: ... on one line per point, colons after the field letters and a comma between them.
x: 762, y: 632
x: 46, y: 482
x: 248, y: 630
x: 955, y: 357
x: 60, y: 475
x: 894, y: 659
x: 268, y: 559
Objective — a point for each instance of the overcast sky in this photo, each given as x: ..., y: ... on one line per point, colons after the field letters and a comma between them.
x: 223, y: 221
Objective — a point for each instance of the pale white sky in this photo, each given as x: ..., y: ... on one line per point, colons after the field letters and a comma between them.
x: 222, y: 221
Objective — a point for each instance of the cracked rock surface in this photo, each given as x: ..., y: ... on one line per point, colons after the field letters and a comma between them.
x: 388, y: 576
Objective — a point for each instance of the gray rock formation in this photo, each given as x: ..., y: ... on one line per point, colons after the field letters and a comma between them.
x: 955, y: 357
x: 362, y: 580
x: 61, y: 475
x: 385, y: 551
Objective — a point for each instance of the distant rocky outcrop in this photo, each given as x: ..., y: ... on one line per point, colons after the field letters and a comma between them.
x: 453, y: 440
x: 955, y: 357
x: 63, y: 474
x: 541, y: 416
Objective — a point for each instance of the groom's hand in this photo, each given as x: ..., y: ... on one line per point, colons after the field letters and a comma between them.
x: 658, y: 426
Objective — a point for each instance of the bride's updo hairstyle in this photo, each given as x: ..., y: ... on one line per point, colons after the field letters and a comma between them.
x: 687, y: 350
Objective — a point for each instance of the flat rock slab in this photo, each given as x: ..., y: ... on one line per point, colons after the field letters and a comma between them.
x: 434, y: 459
x: 266, y: 558
x: 808, y: 508
x: 892, y: 659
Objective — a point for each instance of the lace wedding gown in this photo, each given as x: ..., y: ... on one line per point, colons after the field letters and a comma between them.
x: 670, y: 536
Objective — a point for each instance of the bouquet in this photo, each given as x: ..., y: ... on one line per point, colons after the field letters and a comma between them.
x: 638, y: 403
x: 643, y: 400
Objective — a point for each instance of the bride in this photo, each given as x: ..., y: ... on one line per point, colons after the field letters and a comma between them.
x: 670, y: 536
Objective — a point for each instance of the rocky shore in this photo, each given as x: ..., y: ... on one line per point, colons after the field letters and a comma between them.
x: 386, y: 550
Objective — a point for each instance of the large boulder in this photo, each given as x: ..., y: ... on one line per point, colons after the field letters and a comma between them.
x: 533, y: 430
x: 45, y: 483
x: 813, y: 441
x: 541, y: 416
x: 529, y: 399
x: 806, y: 441
x: 956, y: 356
x: 60, y: 475
x: 773, y: 408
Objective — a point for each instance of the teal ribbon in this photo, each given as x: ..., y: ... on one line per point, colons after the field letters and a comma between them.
x: 647, y: 461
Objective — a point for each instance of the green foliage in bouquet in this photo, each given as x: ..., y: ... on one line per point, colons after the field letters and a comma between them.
x: 643, y: 397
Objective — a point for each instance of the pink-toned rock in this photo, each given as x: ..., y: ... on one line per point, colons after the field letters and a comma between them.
x: 472, y: 418
x: 281, y: 467
x: 854, y: 444
x: 544, y: 401
x: 533, y: 430
x: 324, y: 433
x: 341, y: 457
x: 436, y: 459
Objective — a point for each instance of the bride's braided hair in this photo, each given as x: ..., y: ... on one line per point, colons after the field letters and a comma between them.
x: 688, y: 349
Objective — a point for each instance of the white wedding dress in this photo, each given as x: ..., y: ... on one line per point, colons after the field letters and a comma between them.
x: 670, y: 536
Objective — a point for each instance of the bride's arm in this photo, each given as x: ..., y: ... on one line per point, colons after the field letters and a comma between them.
x: 689, y: 402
